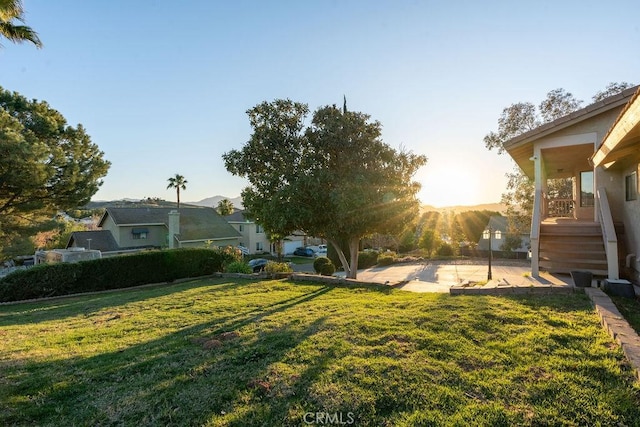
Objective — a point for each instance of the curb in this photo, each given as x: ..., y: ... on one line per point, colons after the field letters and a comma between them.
x: 617, y: 327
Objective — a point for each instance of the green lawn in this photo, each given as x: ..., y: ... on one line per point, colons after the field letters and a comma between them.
x: 239, y: 353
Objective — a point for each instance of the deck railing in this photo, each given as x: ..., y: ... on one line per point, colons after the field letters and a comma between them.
x: 560, y: 208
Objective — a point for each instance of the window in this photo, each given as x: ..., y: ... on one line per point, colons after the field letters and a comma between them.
x: 259, y: 229
x: 139, y: 233
x: 586, y: 189
x: 241, y: 228
x: 258, y: 246
x: 631, y: 186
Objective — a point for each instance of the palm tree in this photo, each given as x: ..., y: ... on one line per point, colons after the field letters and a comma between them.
x: 225, y: 207
x: 10, y: 11
x: 178, y: 182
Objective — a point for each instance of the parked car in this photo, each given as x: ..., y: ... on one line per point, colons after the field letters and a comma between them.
x: 304, y: 252
x: 322, y: 251
x: 258, y: 264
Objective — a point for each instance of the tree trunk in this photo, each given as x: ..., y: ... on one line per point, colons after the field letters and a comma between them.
x: 178, y: 193
x: 354, y: 244
x: 343, y: 259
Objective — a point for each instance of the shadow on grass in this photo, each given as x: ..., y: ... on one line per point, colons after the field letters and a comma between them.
x: 74, y: 305
x: 183, y: 378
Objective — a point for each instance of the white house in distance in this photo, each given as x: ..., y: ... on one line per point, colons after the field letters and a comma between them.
x: 500, y: 223
x: 256, y: 240
x: 598, y: 230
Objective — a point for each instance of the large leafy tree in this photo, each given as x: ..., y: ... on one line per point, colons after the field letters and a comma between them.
x: 612, y: 88
x: 334, y: 179
x: 179, y: 183
x: 45, y: 164
x: 10, y: 12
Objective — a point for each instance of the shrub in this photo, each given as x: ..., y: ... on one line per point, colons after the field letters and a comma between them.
x: 367, y: 259
x: 445, y: 249
x: 113, y: 273
x: 277, y: 267
x: 324, y: 266
x: 386, y: 259
x: 238, y: 267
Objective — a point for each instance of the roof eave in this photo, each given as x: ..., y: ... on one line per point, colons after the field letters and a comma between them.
x: 628, y: 120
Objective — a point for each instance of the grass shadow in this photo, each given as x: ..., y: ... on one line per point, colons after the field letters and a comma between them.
x: 75, y: 305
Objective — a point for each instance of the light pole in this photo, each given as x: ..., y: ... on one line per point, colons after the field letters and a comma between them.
x: 490, y: 234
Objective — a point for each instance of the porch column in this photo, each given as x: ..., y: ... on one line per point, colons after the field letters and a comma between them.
x: 540, y: 184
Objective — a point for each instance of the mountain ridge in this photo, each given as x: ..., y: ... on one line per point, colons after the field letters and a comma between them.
x: 213, y: 201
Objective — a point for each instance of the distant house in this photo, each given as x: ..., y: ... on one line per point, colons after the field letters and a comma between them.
x: 500, y: 223
x: 124, y: 229
x: 101, y: 240
x: 598, y: 228
x: 256, y: 240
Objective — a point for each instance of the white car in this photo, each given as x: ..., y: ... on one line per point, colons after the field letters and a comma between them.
x: 322, y: 251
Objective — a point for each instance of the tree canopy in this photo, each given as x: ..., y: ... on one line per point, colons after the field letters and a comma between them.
x: 334, y: 179
x: 45, y: 164
x: 10, y: 12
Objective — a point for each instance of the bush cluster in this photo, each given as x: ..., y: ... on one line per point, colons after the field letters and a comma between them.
x: 238, y: 267
x: 367, y: 259
x: 386, y: 258
x: 277, y: 267
x: 445, y: 249
x: 324, y: 266
x: 49, y: 280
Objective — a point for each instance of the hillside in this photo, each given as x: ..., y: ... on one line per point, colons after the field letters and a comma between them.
x: 493, y: 207
x: 237, y: 202
x: 213, y: 201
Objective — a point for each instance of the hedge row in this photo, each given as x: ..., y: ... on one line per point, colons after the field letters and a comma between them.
x: 112, y: 273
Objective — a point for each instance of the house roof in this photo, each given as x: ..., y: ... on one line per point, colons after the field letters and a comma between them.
x: 196, y: 223
x: 623, y: 137
x: 521, y: 147
x: 101, y: 240
x: 238, y: 215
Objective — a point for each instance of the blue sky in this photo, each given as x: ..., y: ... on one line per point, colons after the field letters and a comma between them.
x: 162, y: 86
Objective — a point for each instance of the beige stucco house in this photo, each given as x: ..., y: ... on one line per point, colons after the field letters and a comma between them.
x: 256, y: 240
x: 598, y: 229
x: 147, y: 227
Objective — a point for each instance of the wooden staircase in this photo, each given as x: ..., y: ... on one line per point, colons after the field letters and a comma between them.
x: 572, y: 245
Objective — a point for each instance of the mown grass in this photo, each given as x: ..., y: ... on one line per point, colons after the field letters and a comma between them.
x: 241, y: 353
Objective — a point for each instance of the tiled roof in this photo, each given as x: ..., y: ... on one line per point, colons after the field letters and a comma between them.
x: 101, y: 240
x: 196, y: 223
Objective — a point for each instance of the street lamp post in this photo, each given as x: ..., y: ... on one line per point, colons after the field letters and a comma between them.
x: 490, y: 234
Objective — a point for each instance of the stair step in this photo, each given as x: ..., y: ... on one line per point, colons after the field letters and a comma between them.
x: 573, y: 261
x: 572, y: 235
x: 595, y: 272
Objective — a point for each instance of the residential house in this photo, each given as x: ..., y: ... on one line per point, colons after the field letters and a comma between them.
x: 101, y: 240
x: 256, y: 240
x: 500, y: 223
x: 146, y: 227
x: 598, y: 147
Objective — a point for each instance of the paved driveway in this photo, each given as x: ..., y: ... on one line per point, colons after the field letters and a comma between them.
x: 439, y: 276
